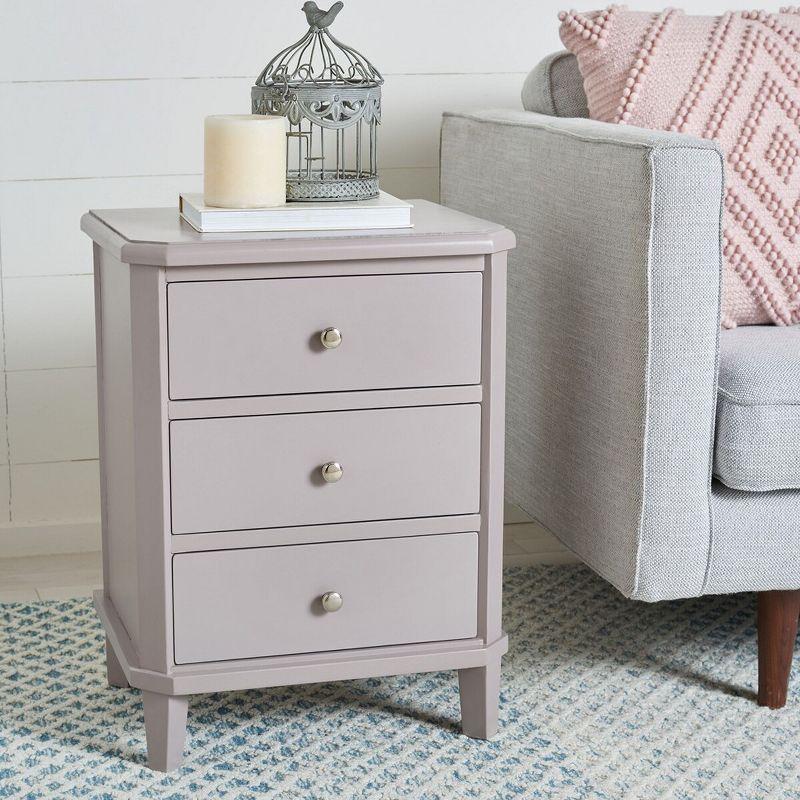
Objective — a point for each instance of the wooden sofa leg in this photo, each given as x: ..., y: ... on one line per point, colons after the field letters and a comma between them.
x: 777, y: 629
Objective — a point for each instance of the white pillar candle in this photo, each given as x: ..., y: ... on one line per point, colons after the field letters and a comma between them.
x: 245, y: 161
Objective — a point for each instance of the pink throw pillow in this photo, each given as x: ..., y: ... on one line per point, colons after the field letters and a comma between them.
x: 734, y: 79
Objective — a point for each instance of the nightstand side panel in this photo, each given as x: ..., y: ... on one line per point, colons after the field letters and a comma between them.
x: 115, y: 409
x: 490, y: 575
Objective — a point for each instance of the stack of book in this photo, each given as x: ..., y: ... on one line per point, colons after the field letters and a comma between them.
x: 383, y: 211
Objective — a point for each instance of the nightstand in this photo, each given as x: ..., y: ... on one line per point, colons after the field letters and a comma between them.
x: 301, y: 449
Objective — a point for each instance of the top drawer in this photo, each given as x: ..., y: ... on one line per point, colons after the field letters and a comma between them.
x: 254, y: 337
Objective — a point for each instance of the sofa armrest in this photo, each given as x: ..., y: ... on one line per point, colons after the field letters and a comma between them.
x: 614, y: 306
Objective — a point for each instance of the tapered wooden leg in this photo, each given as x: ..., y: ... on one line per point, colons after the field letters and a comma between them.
x: 480, y: 700
x: 114, y: 671
x: 777, y: 631
x: 165, y: 726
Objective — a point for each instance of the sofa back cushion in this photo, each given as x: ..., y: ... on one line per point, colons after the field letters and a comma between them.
x: 734, y: 79
x: 555, y: 87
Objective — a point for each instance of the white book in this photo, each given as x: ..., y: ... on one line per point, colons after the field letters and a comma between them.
x: 383, y: 211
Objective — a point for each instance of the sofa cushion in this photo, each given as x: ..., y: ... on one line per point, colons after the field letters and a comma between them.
x: 757, y: 445
x: 555, y: 87
x: 730, y: 78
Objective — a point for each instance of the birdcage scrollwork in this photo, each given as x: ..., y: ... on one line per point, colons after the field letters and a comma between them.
x: 331, y: 96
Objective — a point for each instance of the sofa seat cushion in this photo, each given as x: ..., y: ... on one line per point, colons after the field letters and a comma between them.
x: 757, y: 445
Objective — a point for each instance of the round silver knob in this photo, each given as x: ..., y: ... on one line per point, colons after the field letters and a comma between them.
x: 332, y: 472
x: 330, y: 338
x: 332, y: 601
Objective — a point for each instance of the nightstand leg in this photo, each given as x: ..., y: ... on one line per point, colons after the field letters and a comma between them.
x: 480, y: 699
x: 114, y: 672
x: 165, y: 726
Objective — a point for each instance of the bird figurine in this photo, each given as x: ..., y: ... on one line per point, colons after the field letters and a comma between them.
x: 319, y: 19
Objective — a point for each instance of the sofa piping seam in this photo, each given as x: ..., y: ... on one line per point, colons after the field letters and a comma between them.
x: 696, y: 144
x: 647, y: 379
x: 738, y: 401
x: 713, y: 439
x: 759, y: 490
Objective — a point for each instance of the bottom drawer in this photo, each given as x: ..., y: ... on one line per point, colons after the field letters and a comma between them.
x: 268, y: 601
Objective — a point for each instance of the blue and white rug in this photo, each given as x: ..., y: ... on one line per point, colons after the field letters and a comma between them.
x: 602, y: 698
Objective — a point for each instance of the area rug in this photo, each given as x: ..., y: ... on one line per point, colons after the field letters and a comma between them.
x: 602, y: 698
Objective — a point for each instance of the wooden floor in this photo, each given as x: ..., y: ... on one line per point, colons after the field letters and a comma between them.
x: 59, y: 577
x: 49, y: 577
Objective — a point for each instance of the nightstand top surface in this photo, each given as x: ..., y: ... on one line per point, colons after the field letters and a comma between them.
x: 160, y: 237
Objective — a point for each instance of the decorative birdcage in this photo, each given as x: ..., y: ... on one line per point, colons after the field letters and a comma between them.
x: 331, y: 96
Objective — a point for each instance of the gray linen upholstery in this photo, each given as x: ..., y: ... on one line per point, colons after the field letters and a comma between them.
x: 613, y: 332
x: 758, y: 411
x: 756, y: 542
x: 555, y: 87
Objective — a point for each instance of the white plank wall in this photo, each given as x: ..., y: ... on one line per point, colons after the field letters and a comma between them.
x: 101, y: 105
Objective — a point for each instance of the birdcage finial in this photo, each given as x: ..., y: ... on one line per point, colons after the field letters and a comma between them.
x: 319, y: 57
x: 319, y: 19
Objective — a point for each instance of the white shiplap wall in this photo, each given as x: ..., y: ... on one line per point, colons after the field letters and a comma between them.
x: 101, y: 105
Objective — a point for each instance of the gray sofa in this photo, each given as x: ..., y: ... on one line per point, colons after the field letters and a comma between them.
x: 661, y: 450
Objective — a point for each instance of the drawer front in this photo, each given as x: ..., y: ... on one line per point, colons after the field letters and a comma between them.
x: 268, y: 601
x: 236, y: 473
x: 252, y: 337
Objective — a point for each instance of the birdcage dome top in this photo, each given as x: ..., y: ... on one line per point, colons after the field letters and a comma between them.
x: 319, y: 59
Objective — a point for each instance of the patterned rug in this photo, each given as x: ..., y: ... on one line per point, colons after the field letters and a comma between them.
x: 602, y: 698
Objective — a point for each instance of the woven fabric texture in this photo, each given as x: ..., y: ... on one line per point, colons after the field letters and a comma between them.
x: 612, y: 332
x: 734, y: 79
x: 755, y: 544
x: 758, y: 412
x: 555, y: 87
x: 601, y: 699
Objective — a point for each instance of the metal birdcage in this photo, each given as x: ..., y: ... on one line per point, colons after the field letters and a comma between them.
x: 331, y: 96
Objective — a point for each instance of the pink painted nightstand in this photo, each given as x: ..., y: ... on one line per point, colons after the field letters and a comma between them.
x: 301, y: 443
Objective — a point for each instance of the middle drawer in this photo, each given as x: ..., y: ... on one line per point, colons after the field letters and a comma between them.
x: 236, y: 473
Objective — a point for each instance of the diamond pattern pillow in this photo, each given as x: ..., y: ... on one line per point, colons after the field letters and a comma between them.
x: 734, y: 79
